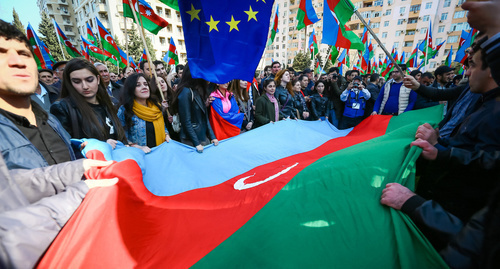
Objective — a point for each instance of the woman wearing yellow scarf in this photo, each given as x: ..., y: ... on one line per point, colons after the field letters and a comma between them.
x: 141, y: 114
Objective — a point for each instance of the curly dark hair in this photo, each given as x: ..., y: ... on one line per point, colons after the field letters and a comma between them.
x: 128, y: 96
x: 9, y: 31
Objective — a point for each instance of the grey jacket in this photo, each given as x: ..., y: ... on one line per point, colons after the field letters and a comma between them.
x: 34, y: 206
x: 17, y: 149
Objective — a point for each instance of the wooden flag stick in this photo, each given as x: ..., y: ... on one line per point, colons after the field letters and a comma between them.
x: 379, y: 42
x: 59, y: 40
x: 327, y: 56
x: 151, y: 66
x: 126, y: 42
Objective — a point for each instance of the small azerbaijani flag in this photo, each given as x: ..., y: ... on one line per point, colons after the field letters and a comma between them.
x: 171, y: 57
x: 274, y: 206
x: 144, y: 56
x: 90, y: 35
x: 448, y: 60
x: 72, y: 51
x: 85, y: 52
x: 306, y: 14
x: 107, y: 41
x: 274, y: 28
x: 313, y: 44
x: 334, y: 53
x: 96, y: 52
x: 39, y: 59
x: 150, y: 20
x: 335, y: 32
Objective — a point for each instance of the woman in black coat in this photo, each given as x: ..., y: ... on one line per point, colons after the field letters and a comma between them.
x: 191, y: 101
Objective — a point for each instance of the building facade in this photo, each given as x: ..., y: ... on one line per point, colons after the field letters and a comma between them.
x: 398, y: 23
x: 77, y: 13
x: 62, y: 12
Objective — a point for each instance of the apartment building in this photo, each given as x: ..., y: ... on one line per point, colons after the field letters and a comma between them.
x: 110, y: 14
x: 398, y: 23
x: 61, y: 11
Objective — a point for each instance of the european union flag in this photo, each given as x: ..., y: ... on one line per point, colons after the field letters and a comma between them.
x: 225, y: 39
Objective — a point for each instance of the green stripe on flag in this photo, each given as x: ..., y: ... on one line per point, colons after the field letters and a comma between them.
x: 329, y: 215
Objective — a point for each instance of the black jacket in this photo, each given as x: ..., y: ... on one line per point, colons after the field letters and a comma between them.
x: 333, y: 93
x: 299, y: 102
x: 285, y: 100
x: 194, y: 118
x: 320, y: 105
x: 465, y: 170
x: 66, y: 112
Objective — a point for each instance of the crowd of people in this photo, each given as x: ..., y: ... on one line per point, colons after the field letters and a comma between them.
x: 455, y: 204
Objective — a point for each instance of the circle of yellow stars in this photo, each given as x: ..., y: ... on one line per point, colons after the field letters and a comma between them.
x: 233, y: 24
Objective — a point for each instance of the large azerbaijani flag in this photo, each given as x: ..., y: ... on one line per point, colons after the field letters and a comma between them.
x: 257, y: 200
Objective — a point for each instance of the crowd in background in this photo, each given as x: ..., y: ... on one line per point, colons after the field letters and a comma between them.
x: 456, y: 203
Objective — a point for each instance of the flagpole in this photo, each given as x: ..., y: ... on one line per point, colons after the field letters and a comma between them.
x: 427, y: 48
x: 58, y: 39
x: 126, y: 41
x: 379, y: 42
x: 151, y: 67
x: 327, y: 56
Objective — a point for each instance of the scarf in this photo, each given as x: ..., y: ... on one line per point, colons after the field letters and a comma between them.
x: 276, y: 106
x: 152, y: 114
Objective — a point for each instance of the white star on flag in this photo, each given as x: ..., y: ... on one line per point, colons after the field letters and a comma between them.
x: 148, y: 12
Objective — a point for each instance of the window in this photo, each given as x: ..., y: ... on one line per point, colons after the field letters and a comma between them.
x: 390, y: 2
x: 386, y: 23
x: 159, y: 11
x: 444, y: 16
x: 408, y: 44
x: 376, y: 14
x: 162, y: 41
x: 388, y: 12
x: 415, y: 8
x: 452, y: 39
x: 396, y: 44
x: 167, y: 13
x: 402, y: 9
x: 459, y: 26
x: 169, y: 28
x: 277, y: 39
x: 460, y: 2
x: 401, y: 21
x: 459, y: 14
x: 366, y: 14
x: 398, y: 33
x: 426, y: 18
x: 375, y: 25
x: 412, y: 20
x: 423, y: 30
x: 384, y: 34
x: 428, y: 5
x: 441, y: 29
x: 439, y: 40
x: 378, y: 3
x: 433, y: 65
x: 447, y: 3
x: 410, y: 32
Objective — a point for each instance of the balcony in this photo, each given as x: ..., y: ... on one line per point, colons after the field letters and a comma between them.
x: 63, y: 2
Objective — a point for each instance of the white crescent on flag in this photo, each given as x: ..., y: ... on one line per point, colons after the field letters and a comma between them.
x: 110, y: 40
